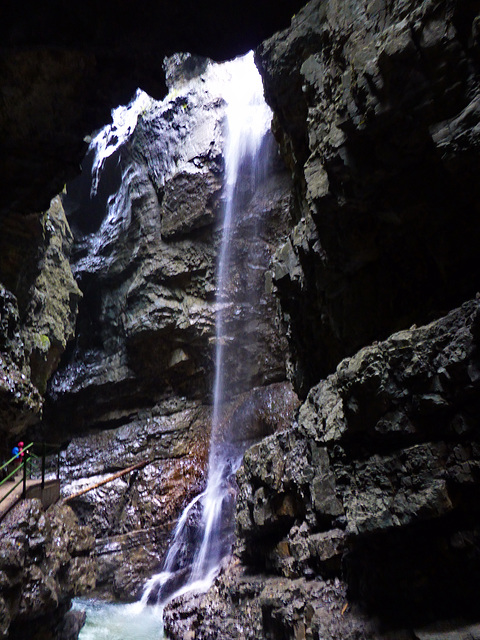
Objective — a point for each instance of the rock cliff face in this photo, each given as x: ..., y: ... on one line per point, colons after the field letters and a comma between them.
x: 45, y: 561
x: 361, y: 520
x: 136, y: 383
x: 370, y: 499
x: 390, y: 458
x: 39, y: 299
x: 376, y: 109
x: 147, y: 272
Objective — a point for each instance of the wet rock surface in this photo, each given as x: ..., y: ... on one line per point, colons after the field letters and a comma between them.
x: 375, y: 485
x: 132, y: 517
x: 135, y: 384
x: 365, y: 507
x: 376, y: 111
x: 20, y: 402
x: 146, y: 326
x: 39, y: 300
x: 241, y: 605
x: 51, y: 310
x: 136, y: 378
x: 44, y: 561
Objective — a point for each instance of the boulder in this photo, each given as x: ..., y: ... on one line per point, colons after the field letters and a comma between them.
x: 375, y: 485
x: 45, y: 561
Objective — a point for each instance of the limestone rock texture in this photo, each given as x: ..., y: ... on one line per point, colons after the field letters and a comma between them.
x: 384, y: 456
x: 45, y: 560
x: 136, y: 383
x: 357, y: 514
x: 145, y: 257
x: 367, y: 508
x: 132, y: 517
x: 361, y: 519
x: 39, y: 300
x: 376, y: 109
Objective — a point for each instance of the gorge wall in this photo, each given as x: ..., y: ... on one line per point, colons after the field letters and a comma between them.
x: 45, y: 560
x: 358, y: 517
x: 136, y: 383
x: 361, y: 519
x: 376, y: 106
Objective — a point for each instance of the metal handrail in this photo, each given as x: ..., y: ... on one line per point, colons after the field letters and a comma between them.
x: 11, y: 490
x: 28, y: 458
x: 12, y: 459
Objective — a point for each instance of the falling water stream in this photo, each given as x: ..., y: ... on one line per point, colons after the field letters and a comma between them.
x: 248, y: 120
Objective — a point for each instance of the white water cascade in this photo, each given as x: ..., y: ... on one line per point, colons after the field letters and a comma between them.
x: 203, y: 536
x: 248, y: 120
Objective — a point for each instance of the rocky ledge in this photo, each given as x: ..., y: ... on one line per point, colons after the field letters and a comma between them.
x: 369, y: 502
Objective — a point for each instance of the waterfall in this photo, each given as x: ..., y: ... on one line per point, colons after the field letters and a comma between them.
x: 203, y: 535
x: 109, y: 139
x: 248, y: 120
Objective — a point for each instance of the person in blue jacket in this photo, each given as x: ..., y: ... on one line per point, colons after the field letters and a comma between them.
x: 16, y: 453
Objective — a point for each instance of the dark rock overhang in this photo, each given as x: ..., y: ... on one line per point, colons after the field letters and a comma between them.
x: 63, y: 67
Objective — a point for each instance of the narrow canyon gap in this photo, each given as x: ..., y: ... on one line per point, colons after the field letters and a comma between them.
x: 244, y: 194
x: 358, y: 506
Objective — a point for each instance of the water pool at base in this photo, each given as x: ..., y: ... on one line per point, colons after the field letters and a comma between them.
x: 113, y: 621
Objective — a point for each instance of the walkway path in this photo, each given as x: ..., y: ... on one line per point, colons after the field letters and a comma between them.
x: 48, y: 495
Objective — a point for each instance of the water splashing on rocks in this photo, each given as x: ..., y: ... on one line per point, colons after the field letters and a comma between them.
x: 248, y: 120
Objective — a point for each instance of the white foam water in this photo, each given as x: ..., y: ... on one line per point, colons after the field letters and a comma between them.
x: 248, y: 120
x: 109, y: 621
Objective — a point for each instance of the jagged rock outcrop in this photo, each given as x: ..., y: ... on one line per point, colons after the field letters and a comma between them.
x: 367, y: 505
x: 376, y: 109
x: 136, y: 385
x: 20, y: 402
x: 132, y: 516
x: 147, y: 272
x: 51, y: 311
x: 362, y: 519
x: 39, y: 299
x: 44, y: 561
x: 242, y: 605
x: 376, y: 484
